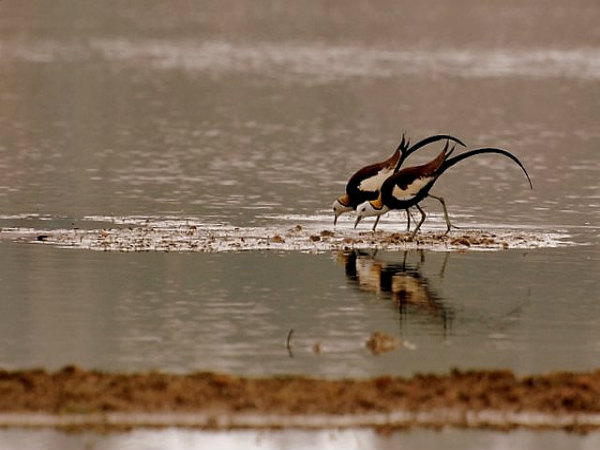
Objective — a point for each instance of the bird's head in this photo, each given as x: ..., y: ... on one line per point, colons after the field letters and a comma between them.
x: 340, y: 206
x: 370, y: 208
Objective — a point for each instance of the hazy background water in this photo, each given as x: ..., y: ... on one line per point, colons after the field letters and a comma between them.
x: 235, y: 110
x: 255, y: 113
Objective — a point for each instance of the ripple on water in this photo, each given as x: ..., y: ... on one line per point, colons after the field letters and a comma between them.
x: 310, y: 63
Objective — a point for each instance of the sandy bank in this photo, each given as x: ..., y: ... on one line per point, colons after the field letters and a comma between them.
x: 497, y: 399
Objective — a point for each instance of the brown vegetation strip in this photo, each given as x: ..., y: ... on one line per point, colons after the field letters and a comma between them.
x: 76, y: 391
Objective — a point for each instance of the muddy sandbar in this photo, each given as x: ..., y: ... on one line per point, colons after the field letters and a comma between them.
x: 497, y: 399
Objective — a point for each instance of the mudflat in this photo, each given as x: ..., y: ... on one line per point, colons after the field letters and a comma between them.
x: 76, y: 392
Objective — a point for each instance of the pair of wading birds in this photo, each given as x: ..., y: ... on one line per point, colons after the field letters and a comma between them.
x: 378, y: 188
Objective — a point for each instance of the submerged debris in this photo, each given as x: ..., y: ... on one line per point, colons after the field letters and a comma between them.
x: 380, y: 342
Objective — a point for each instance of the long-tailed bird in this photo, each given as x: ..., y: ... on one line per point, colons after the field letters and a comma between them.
x: 409, y: 186
x: 364, y: 185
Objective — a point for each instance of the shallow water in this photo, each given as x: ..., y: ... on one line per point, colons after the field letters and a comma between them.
x: 298, y: 439
x: 232, y: 115
x: 233, y: 311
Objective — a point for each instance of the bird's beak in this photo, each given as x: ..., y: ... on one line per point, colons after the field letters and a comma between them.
x: 358, y: 219
x: 335, y: 216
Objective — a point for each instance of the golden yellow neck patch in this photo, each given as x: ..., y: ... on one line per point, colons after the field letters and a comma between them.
x: 377, y: 204
x: 344, y: 200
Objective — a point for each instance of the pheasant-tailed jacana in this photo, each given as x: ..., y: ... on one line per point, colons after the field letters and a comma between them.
x: 365, y: 184
x: 409, y: 186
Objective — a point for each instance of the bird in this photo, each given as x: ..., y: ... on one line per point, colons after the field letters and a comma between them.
x: 409, y: 186
x: 365, y: 183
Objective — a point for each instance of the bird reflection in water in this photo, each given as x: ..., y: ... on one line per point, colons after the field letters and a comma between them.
x: 402, y: 281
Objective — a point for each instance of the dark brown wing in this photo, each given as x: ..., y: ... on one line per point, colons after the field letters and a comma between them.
x: 408, y: 175
x: 365, y: 184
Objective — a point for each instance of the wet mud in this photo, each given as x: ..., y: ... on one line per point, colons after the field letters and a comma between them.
x: 496, y: 399
x: 223, y: 238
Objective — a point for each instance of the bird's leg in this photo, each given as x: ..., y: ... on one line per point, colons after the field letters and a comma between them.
x: 443, y: 269
x: 407, y: 220
x: 443, y: 202
x: 376, y: 222
x: 423, y: 215
x: 411, y: 215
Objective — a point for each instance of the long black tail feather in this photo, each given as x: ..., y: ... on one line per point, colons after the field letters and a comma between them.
x: 404, y: 143
x: 452, y: 161
x: 406, y: 151
x: 448, y: 152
